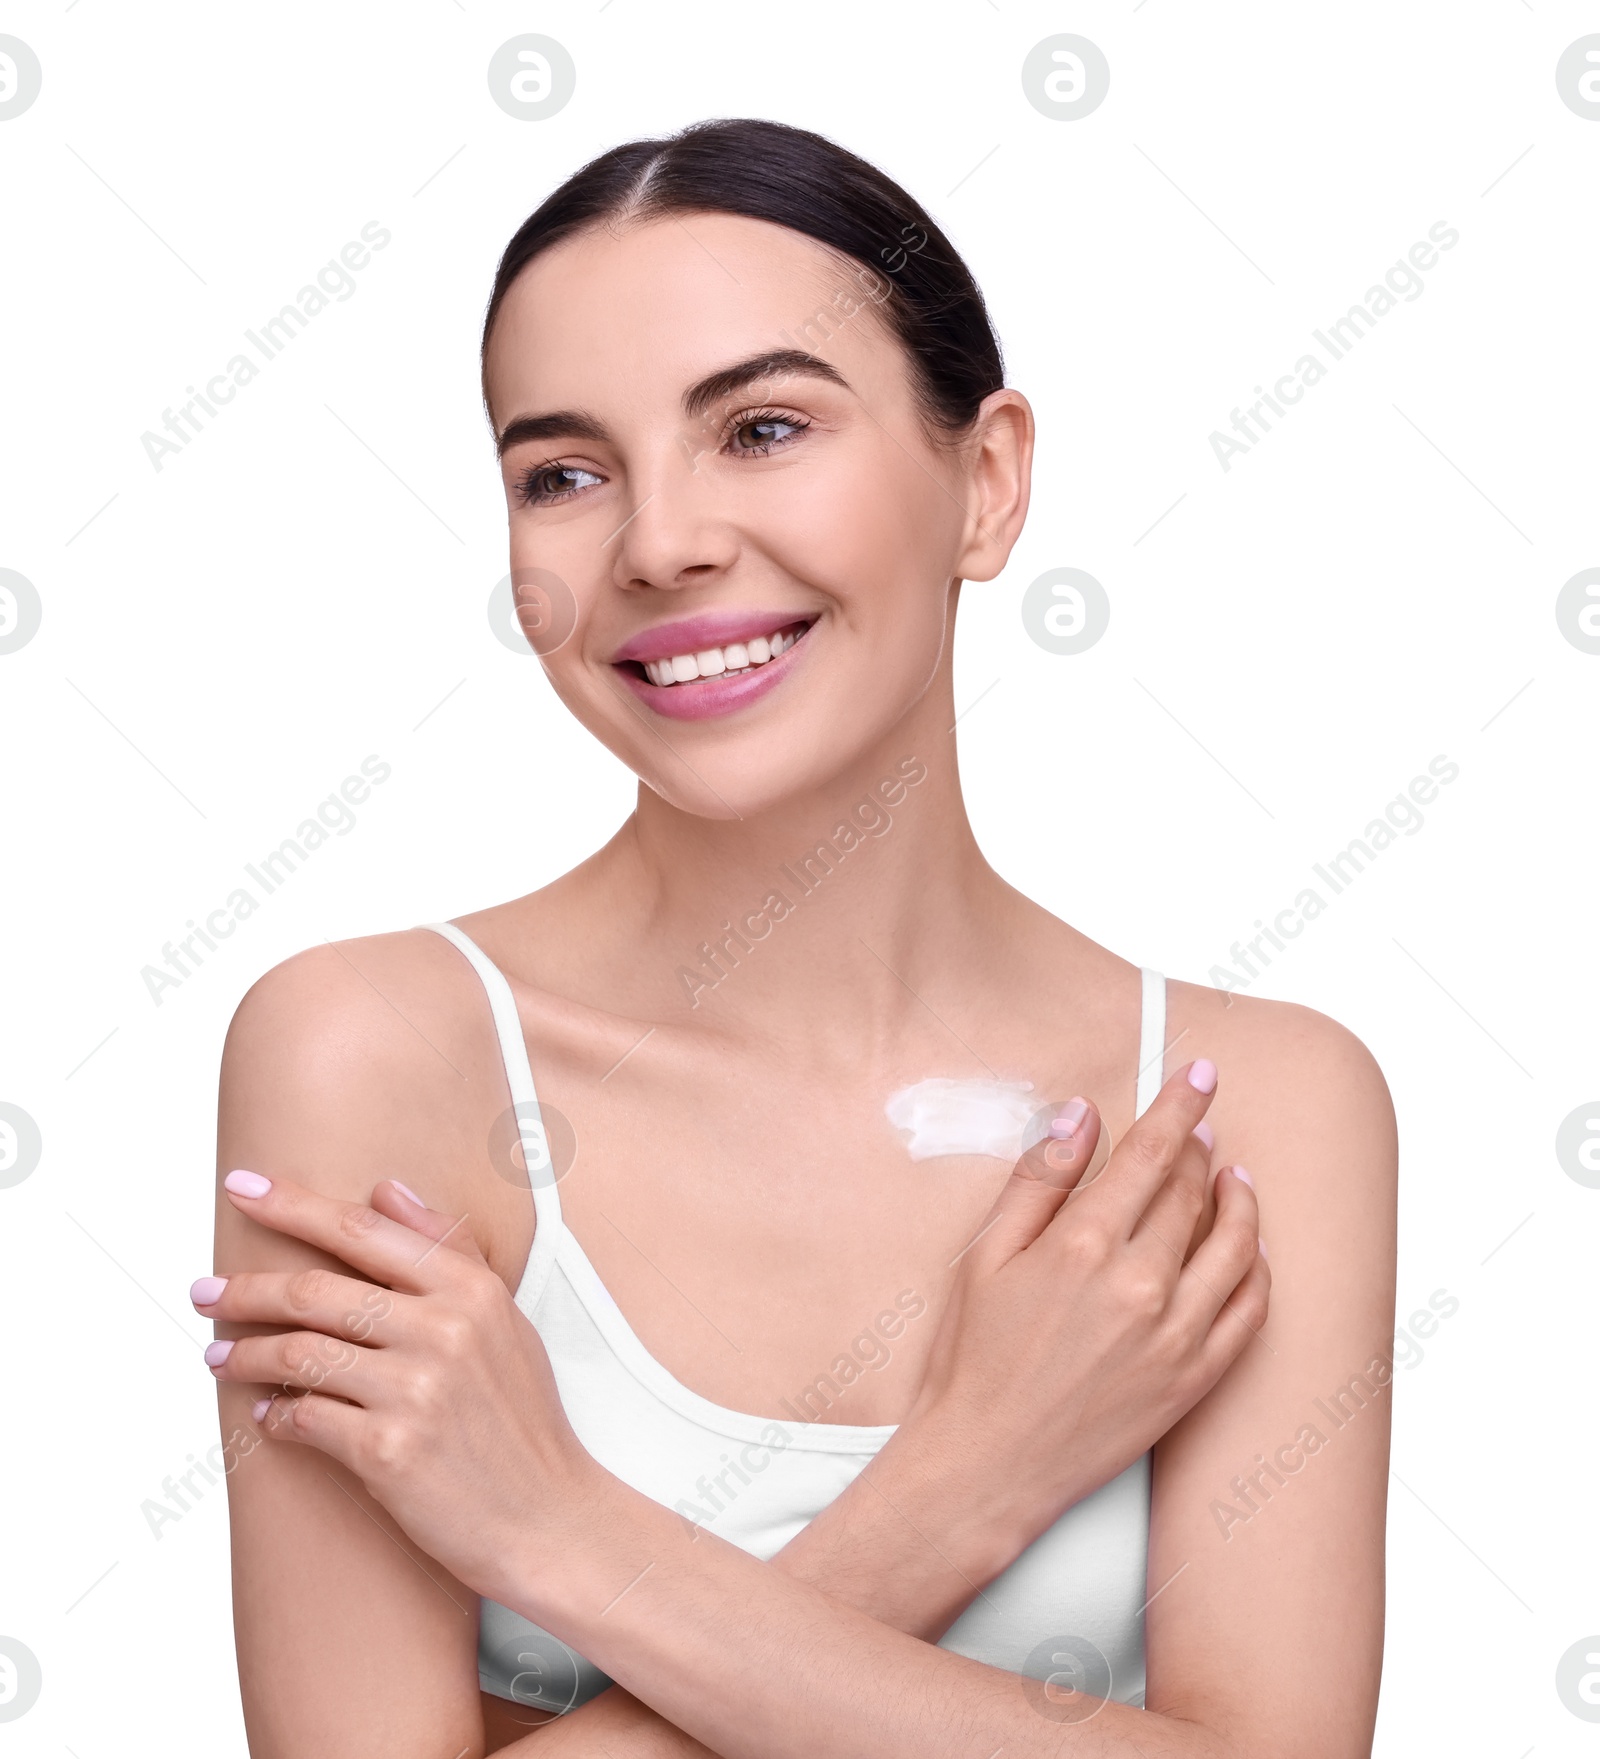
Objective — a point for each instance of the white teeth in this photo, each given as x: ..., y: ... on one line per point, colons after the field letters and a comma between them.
x: 712, y: 662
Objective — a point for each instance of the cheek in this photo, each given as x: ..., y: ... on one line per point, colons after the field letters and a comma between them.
x: 569, y: 568
x: 877, y: 535
x: 569, y: 548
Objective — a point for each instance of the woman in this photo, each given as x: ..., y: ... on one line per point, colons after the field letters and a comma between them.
x: 813, y: 1444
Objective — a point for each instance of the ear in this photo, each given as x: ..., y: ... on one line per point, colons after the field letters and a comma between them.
x: 1000, y: 479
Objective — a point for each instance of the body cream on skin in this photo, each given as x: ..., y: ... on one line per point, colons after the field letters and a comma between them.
x: 940, y: 1116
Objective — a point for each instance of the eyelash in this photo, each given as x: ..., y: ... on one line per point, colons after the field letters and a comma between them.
x: 530, y: 496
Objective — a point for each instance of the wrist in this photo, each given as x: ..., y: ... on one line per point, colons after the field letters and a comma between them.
x: 910, y: 1542
x: 942, y: 1471
x: 563, y: 1542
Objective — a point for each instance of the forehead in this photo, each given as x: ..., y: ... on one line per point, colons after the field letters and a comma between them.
x: 649, y: 307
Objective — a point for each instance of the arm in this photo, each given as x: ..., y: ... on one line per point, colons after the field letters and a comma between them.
x: 882, y: 1548
x: 1265, y: 1633
x: 1270, y: 1495
x: 451, y: 1418
x: 350, y: 1639
x: 346, y: 1067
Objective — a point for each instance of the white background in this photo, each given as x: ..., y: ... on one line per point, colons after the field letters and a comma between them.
x: 1373, y: 585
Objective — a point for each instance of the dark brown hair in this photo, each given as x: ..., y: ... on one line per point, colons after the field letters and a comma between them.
x: 791, y: 177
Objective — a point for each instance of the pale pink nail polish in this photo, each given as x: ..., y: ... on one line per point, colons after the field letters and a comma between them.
x: 406, y: 1191
x: 1244, y: 1178
x: 1261, y: 1247
x: 260, y: 1408
x: 1203, y: 1075
x: 243, y: 1184
x: 1203, y: 1131
x: 218, y: 1352
x: 1069, y: 1120
x: 206, y: 1291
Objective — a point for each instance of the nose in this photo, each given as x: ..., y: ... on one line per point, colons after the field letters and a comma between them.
x: 677, y: 534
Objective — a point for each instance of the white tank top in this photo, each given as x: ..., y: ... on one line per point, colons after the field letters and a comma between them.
x: 1070, y: 1607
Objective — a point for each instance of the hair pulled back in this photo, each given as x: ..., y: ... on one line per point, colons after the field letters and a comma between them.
x: 792, y: 177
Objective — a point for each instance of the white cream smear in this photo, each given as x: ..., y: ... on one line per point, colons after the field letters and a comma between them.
x: 940, y: 1116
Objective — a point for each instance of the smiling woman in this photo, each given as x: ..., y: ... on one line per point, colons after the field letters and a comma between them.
x: 539, y: 1479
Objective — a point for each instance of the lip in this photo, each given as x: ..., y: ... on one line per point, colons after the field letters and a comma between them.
x: 703, y: 699
x: 692, y: 635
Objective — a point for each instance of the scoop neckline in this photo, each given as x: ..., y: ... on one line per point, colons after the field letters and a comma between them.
x: 555, y: 1243
x: 625, y: 1344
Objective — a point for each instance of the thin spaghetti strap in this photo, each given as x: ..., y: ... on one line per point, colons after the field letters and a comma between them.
x: 536, y: 1152
x: 1152, y: 1037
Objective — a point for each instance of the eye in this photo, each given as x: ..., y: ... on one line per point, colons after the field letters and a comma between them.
x: 541, y: 484
x: 756, y: 434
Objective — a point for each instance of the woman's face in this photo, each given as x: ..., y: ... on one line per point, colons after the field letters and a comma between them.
x: 733, y: 542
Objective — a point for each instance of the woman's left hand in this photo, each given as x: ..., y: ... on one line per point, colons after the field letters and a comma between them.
x: 427, y: 1382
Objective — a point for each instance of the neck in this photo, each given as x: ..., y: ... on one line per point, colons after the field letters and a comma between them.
x: 843, y: 902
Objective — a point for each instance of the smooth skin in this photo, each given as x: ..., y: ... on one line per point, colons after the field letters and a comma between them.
x: 736, y: 1182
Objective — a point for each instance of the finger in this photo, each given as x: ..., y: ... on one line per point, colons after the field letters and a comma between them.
x: 296, y: 1358
x: 400, y: 1203
x: 1141, y: 1161
x: 1226, y: 1256
x: 314, y: 1420
x: 1169, y: 1216
x: 1240, y: 1322
x: 1039, y: 1184
x: 374, y: 1244
x: 318, y: 1300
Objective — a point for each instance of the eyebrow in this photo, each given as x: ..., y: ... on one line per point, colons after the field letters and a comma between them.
x: 776, y: 363
x: 576, y: 424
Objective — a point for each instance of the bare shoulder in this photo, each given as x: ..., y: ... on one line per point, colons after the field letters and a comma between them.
x: 345, y: 1065
x: 369, y: 1059
x: 1303, y: 1107
x: 344, y: 1032
x: 1289, y: 1078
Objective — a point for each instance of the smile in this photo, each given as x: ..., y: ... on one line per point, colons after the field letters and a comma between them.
x: 683, y: 672
x: 717, y: 662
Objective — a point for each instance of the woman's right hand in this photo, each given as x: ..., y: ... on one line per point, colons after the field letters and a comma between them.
x: 1080, y: 1328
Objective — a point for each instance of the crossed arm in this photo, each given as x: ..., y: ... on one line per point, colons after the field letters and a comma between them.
x: 355, y: 1614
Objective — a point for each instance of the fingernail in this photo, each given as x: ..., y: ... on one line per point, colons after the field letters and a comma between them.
x: 406, y: 1191
x: 1240, y: 1174
x: 1069, y: 1120
x: 1261, y: 1247
x: 217, y: 1353
x: 207, y: 1290
x: 260, y: 1408
x: 1203, y: 1131
x: 243, y: 1184
x: 1203, y: 1075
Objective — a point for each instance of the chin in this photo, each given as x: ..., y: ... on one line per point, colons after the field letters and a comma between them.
x: 765, y: 722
